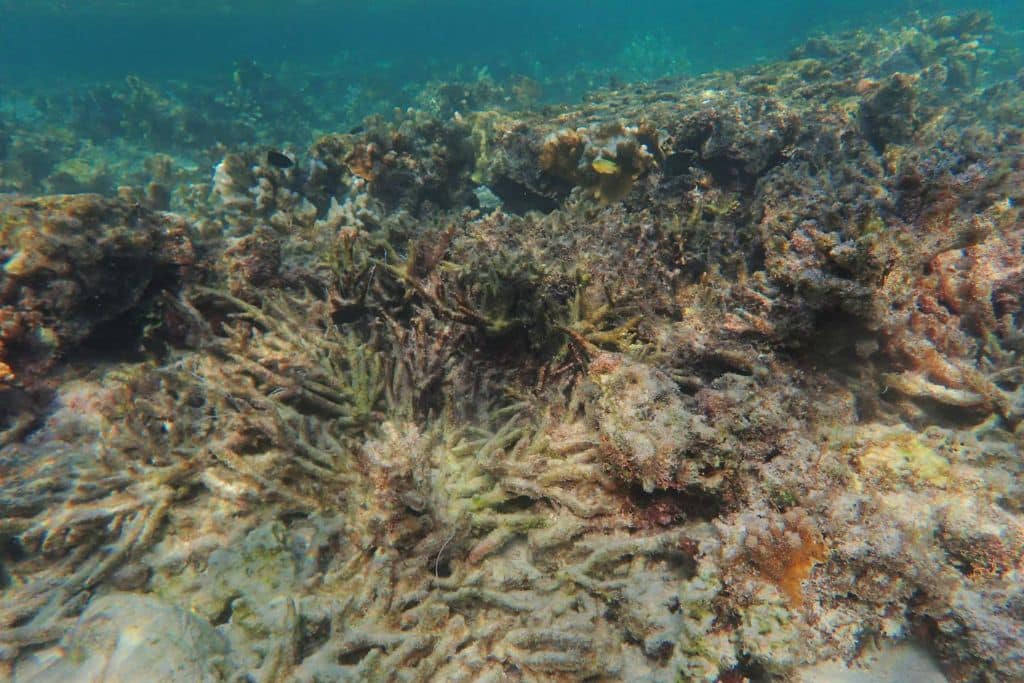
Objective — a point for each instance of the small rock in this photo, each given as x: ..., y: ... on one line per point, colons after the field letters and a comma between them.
x: 124, y: 638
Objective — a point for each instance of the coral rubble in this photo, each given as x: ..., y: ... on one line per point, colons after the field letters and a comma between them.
x: 713, y: 380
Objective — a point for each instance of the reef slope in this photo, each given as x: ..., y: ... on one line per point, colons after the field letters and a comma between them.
x: 706, y: 380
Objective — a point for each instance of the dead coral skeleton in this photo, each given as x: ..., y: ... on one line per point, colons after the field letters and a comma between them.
x: 81, y: 514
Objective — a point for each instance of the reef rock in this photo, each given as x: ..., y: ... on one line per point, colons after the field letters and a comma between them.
x: 124, y: 637
x: 649, y: 435
x: 72, y: 263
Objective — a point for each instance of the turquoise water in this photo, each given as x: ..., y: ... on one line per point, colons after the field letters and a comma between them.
x: 115, y: 82
x: 67, y: 43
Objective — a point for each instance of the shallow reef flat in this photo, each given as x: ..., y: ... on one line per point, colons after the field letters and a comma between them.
x: 710, y: 380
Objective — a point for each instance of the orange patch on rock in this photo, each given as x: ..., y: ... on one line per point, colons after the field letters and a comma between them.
x: 798, y: 568
x: 785, y: 552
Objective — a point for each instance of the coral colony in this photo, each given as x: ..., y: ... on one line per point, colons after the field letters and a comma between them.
x: 699, y: 380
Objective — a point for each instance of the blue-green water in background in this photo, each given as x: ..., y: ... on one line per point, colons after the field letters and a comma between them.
x: 71, y: 42
x: 104, y: 84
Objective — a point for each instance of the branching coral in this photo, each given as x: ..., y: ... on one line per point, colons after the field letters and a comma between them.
x: 283, y: 379
x: 79, y: 512
x: 714, y: 425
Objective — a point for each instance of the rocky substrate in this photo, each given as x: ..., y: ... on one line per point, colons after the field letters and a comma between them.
x: 715, y: 380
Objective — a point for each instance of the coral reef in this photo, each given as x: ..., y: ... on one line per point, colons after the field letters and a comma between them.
x: 74, y: 263
x: 646, y: 428
x: 607, y: 161
x: 708, y: 380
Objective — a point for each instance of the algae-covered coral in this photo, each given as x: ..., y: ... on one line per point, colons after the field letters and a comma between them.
x: 724, y: 379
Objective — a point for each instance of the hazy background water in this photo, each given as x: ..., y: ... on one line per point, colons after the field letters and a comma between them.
x: 75, y: 41
x: 90, y: 90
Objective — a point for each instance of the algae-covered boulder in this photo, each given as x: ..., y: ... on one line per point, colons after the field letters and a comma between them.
x: 123, y: 638
x: 649, y: 435
x: 71, y: 263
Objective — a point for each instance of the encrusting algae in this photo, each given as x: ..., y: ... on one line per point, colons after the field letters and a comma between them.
x: 729, y: 384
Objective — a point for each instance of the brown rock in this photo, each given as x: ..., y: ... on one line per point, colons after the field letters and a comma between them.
x: 73, y: 262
